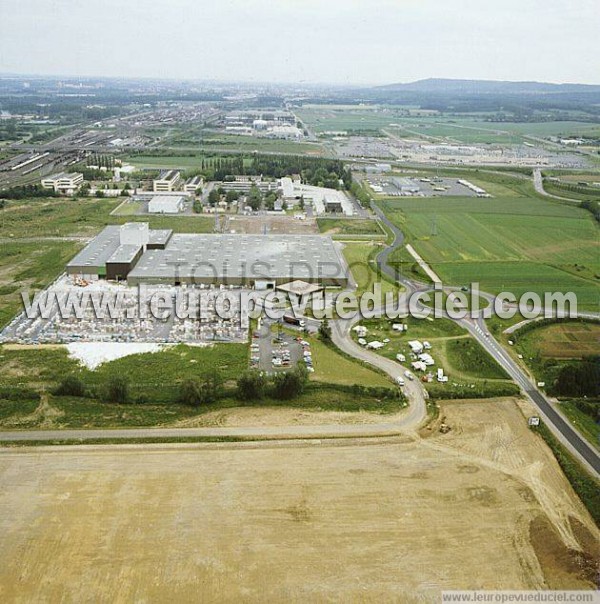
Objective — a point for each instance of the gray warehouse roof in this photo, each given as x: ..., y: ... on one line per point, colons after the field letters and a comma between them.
x: 160, y: 236
x: 218, y: 257
x: 124, y: 254
x: 98, y: 250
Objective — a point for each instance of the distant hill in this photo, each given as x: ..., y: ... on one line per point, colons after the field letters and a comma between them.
x: 445, y: 86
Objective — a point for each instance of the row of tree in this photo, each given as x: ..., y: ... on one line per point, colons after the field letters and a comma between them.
x: 316, y: 171
x: 26, y: 191
x: 205, y: 389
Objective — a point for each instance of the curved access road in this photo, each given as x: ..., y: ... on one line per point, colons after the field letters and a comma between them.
x: 413, y: 389
x: 555, y: 421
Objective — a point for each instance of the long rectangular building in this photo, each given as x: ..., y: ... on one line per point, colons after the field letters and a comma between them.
x: 167, y: 181
x: 247, y: 260
x: 157, y: 256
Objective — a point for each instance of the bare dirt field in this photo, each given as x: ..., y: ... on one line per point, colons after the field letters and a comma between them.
x: 380, y: 520
x: 274, y: 225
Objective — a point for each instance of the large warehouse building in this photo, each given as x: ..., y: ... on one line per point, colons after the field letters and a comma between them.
x: 166, y: 204
x: 140, y: 255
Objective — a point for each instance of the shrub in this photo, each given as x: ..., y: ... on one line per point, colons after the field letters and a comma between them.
x: 71, y: 386
x: 581, y: 379
x: 117, y: 389
x: 191, y: 393
x: 251, y: 386
x: 196, y: 392
x: 290, y: 384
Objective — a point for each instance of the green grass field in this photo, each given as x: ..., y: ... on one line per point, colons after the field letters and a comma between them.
x: 154, y: 386
x: 347, y: 227
x: 461, y: 357
x: 333, y: 368
x: 152, y: 376
x: 583, y: 422
x: 514, y: 241
x: 30, y: 266
x: 84, y: 217
x: 218, y: 141
x: 361, y: 260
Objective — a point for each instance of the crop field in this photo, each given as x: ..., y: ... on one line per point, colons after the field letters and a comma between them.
x: 466, y: 129
x: 564, y: 340
x: 218, y: 141
x: 256, y: 522
x: 514, y: 242
x: 29, y: 266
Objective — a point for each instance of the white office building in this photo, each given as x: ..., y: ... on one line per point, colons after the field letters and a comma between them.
x: 66, y: 183
x: 167, y: 181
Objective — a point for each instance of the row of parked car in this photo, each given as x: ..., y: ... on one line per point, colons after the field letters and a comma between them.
x: 306, y: 354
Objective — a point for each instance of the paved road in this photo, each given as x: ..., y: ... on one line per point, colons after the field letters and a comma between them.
x: 414, y: 390
x: 538, y: 183
x: 559, y: 426
x: 259, y: 432
x: 553, y: 418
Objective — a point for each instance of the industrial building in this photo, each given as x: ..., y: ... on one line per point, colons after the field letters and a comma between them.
x: 116, y: 250
x: 406, y: 185
x: 243, y: 184
x: 167, y: 181
x: 140, y: 255
x: 192, y: 185
x: 322, y: 199
x: 65, y: 183
x: 166, y: 204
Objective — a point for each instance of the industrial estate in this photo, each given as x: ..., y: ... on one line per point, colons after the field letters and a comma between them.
x: 295, y: 457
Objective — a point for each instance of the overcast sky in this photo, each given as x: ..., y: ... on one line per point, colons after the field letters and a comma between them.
x: 337, y: 41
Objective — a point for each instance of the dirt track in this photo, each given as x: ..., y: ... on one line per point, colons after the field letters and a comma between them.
x: 264, y: 522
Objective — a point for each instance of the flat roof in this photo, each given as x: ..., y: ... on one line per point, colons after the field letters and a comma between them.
x: 99, y: 249
x: 123, y: 254
x: 159, y: 236
x: 60, y: 175
x: 135, y: 226
x: 169, y: 200
x: 218, y: 257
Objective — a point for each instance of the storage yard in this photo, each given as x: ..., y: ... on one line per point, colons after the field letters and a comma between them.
x: 131, y: 325
x: 289, y: 518
x: 397, y: 186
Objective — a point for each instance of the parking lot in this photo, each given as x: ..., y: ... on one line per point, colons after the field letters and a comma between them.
x: 274, y: 349
x: 421, y: 187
